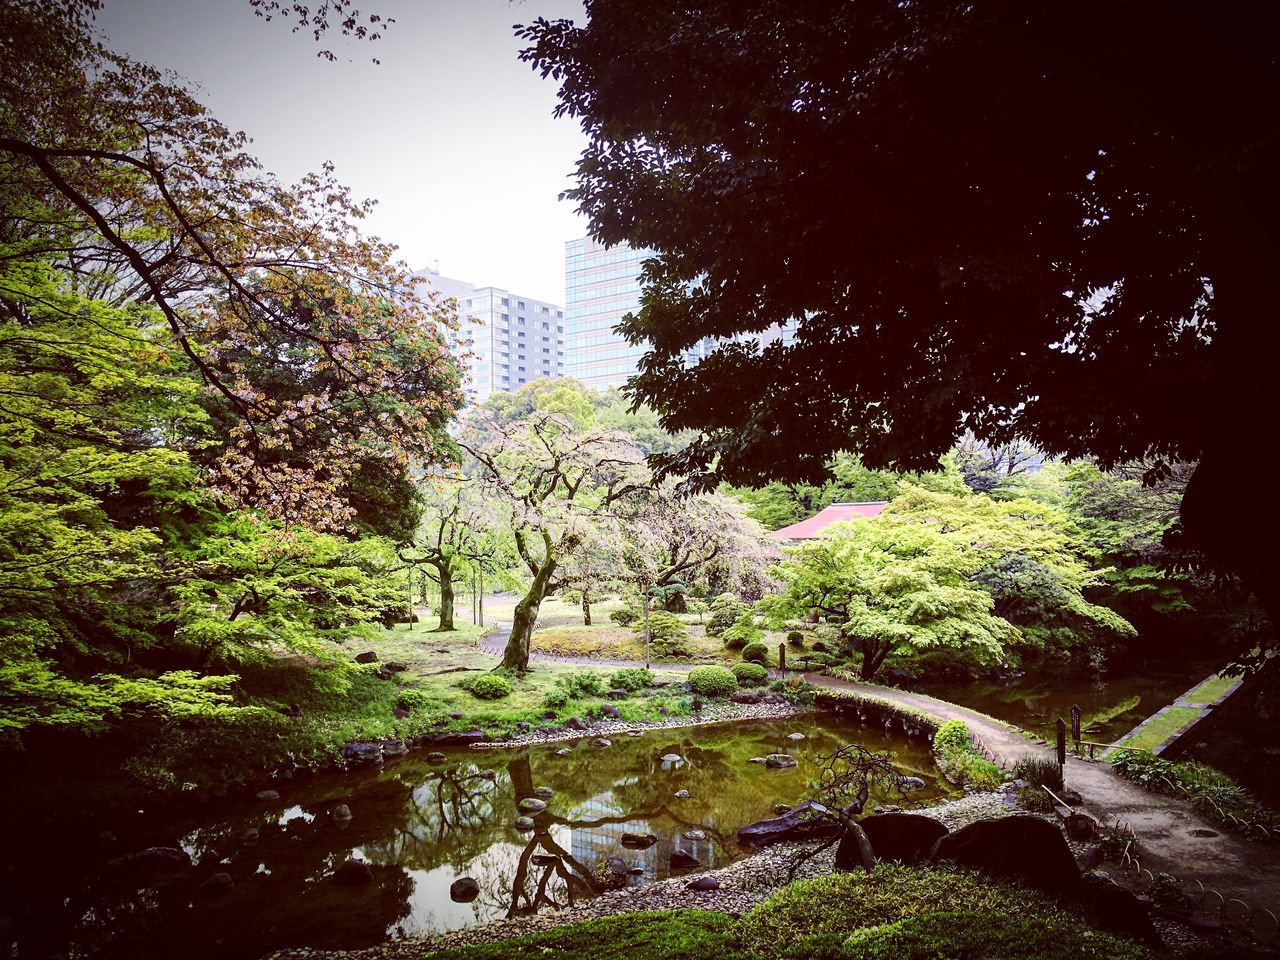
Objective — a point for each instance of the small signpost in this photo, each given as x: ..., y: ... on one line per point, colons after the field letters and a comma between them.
x: 782, y: 657
x: 1075, y: 726
x: 1062, y: 743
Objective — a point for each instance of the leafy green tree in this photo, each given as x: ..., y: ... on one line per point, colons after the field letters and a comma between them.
x: 972, y: 215
x: 456, y: 532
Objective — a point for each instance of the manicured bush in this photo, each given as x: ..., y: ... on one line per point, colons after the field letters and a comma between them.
x: 583, y: 684
x: 795, y: 640
x: 415, y: 700
x: 743, y: 632
x: 556, y: 697
x: 957, y: 758
x: 670, y: 638
x: 625, y: 616
x: 755, y: 653
x: 750, y: 674
x: 951, y: 736
x: 632, y: 679
x: 725, y: 610
x: 712, y: 681
x: 490, y: 686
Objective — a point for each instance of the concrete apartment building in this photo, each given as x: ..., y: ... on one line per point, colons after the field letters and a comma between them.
x: 504, y: 339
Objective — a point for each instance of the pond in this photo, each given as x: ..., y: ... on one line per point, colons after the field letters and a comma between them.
x: 421, y: 827
x: 1111, y: 704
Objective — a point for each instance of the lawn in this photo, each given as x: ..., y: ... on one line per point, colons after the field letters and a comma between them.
x: 1211, y: 689
x: 1161, y: 728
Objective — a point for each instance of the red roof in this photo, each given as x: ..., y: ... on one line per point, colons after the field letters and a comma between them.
x: 815, y: 526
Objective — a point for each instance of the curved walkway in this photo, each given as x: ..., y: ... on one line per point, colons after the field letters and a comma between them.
x: 1172, y: 837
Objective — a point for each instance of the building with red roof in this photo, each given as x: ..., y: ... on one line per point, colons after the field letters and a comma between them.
x: 817, y: 525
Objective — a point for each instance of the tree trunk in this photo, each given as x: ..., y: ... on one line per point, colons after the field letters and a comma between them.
x: 586, y: 607
x: 873, y: 655
x: 445, y: 570
x: 516, y: 655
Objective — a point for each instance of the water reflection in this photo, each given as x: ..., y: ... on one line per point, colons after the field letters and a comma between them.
x: 420, y: 827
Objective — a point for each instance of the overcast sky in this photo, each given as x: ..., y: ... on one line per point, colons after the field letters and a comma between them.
x: 450, y: 133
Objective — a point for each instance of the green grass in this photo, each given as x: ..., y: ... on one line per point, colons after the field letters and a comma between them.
x: 893, y: 913
x: 1210, y: 791
x: 1211, y: 690
x: 1161, y: 728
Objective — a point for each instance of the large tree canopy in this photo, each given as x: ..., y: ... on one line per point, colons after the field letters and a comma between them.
x: 1052, y: 222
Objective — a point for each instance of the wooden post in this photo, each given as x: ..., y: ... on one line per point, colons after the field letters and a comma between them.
x: 1062, y: 744
x: 1075, y: 726
x: 782, y: 657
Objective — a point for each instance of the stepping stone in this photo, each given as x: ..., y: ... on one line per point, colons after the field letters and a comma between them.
x: 703, y: 883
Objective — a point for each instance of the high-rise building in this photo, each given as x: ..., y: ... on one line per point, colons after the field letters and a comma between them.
x: 504, y: 340
x: 602, y: 285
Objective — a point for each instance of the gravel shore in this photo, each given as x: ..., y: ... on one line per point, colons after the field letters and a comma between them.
x: 742, y: 885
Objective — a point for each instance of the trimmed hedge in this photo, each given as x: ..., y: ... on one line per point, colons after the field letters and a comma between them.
x: 750, y: 674
x: 490, y: 686
x: 755, y: 653
x: 712, y: 681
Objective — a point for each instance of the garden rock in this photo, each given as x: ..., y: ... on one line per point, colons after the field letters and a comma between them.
x: 149, y: 867
x: 394, y: 748
x: 681, y: 794
x: 746, y: 696
x: 395, y: 666
x: 1114, y: 909
x: 619, y: 694
x: 544, y: 793
x: 361, y: 752
x: 638, y: 841
x: 1090, y: 858
x: 602, y: 742
x: 610, y: 711
x: 682, y: 859
x: 367, y: 657
x: 531, y: 806
x: 576, y: 723
x: 458, y: 738
x: 908, y: 837
x: 703, y: 883
x: 523, y: 725
x: 780, y: 761
x: 217, y: 884
x: 617, y: 866
x: 435, y: 756
x: 352, y: 874
x: 525, y: 824
x: 795, y: 736
x: 267, y: 795
x: 756, y: 760
x: 803, y: 822
x: 400, y: 713
x: 341, y: 812
x: 1022, y: 848
x: 464, y: 890
x: 563, y: 752
x: 695, y: 834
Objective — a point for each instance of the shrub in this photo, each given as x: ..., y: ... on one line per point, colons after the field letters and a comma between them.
x: 583, y: 684
x: 725, y: 610
x: 625, y: 616
x: 571, y: 596
x: 958, y: 759
x: 670, y: 638
x: 795, y: 640
x: 755, y: 653
x: 490, y: 686
x: 743, y: 632
x: 1039, y: 772
x: 1211, y: 791
x: 556, y: 697
x: 951, y: 736
x: 712, y: 681
x: 632, y: 679
x: 412, y: 700
x: 794, y: 689
x: 750, y: 674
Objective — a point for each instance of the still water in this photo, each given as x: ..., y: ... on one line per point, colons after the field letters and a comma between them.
x: 1110, y: 705
x: 422, y: 826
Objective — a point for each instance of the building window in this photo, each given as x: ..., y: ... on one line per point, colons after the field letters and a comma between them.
x: 519, y: 304
x: 506, y: 302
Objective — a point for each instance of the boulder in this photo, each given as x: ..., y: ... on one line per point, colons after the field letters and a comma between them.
x: 617, y: 693
x: 367, y: 657
x: 148, y: 867
x: 464, y: 890
x: 531, y: 806
x: 457, y: 738
x: 341, y: 812
x: 907, y: 784
x: 352, y: 873
x: 400, y: 713
x: 455, y: 716
x: 695, y: 834
x: 563, y: 752
x: 610, y: 711
x: 635, y: 733
x: 394, y: 748
x: 355, y: 752
x: 638, y: 841
x: 1113, y: 908
x: 907, y: 837
x: 780, y: 761
x: 602, y: 742
x: 1021, y: 848
x: 525, y: 824
x: 803, y: 822
x: 217, y: 884
x: 544, y: 793
x: 703, y: 883
x: 435, y: 756
x: 1070, y: 797
x: 682, y: 859
x: 746, y: 696
x: 756, y: 760
x: 1090, y: 858
x: 395, y: 666
x: 267, y: 795
x: 616, y: 866
x: 576, y: 723
x: 523, y: 725
x: 681, y: 794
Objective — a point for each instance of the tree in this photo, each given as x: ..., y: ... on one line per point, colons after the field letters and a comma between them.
x: 555, y: 485
x: 971, y: 216
x: 453, y: 534
x: 891, y: 588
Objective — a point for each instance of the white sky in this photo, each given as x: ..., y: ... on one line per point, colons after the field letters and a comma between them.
x: 450, y: 133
